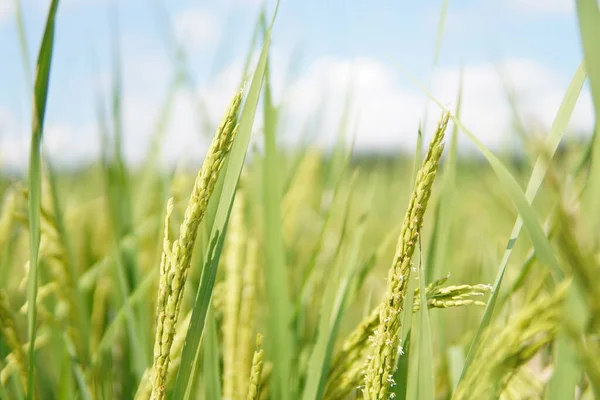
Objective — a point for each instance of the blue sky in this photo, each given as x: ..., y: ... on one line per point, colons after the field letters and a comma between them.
x: 329, y: 44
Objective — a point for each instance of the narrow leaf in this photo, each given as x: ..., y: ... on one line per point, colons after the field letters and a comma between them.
x: 235, y: 161
x: 40, y: 97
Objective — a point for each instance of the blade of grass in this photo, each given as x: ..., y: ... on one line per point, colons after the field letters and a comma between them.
x: 309, y: 270
x: 425, y: 374
x: 438, y: 248
x: 527, y: 216
x: 133, y: 326
x: 66, y: 243
x: 328, y: 326
x: 401, y: 375
x: 66, y: 386
x: 235, y: 161
x: 339, y: 154
x: 40, y: 97
x: 191, y: 348
x: 137, y: 296
x: 119, y: 199
x: 23, y: 40
x: 120, y: 195
x: 411, y: 382
x: 436, y: 52
x: 212, y: 373
x: 518, y: 125
x: 139, y: 360
x: 331, y: 313
x: 567, y: 370
x: 589, y: 26
x: 258, y: 25
x: 444, y: 219
x: 84, y: 391
x: 280, y: 340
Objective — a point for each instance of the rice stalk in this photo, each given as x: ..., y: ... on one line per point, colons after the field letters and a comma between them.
x: 386, y: 340
x: 45, y: 291
x: 99, y: 308
x: 245, y: 333
x: 300, y: 195
x: 176, y: 257
x: 234, y: 259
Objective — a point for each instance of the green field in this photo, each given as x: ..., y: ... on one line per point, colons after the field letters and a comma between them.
x: 297, y: 273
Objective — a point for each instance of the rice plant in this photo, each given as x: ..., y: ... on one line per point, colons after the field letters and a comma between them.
x: 271, y: 273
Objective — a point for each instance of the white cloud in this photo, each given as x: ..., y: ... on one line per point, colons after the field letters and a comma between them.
x: 388, y: 114
x: 66, y: 143
x: 63, y: 142
x: 197, y: 28
x: 383, y: 113
x: 385, y: 116
x: 13, y: 145
x: 6, y: 8
x: 543, y: 6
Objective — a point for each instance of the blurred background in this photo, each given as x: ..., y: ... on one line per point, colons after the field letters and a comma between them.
x: 326, y: 57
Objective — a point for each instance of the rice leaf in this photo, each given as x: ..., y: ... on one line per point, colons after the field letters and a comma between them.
x: 527, y: 216
x: 72, y: 267
x: 133, y: 326
x: 443, y: 218
x: 331, y: 315
x: 40, y: 97
x: 235, y: 161
x: 137, y: 296
x: 401, y: 373
x: 437, y: 49
x: 403, y: 380
x: 567, y: 370
x: 425, y: 375
x: 84, y: 391
x: 65, y: 384
x: 24, y: 47
x: 139, y: 360
x: 212, y: 370
x: 588, y: 14
x: 279, y: 336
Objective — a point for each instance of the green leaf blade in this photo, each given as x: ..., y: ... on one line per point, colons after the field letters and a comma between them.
x: 40, y: 97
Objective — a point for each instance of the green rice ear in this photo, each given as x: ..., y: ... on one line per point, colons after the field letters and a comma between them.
x: 176, y: 258
x: 386, y: 339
